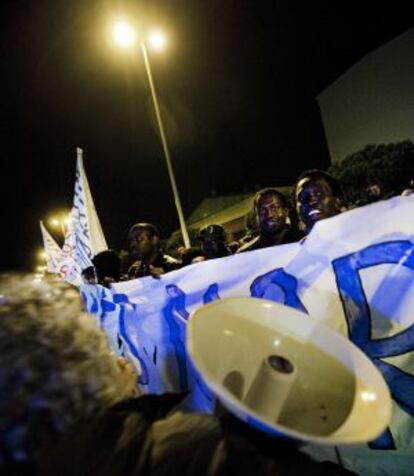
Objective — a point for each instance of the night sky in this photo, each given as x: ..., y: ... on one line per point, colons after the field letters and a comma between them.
x: 237, y: 85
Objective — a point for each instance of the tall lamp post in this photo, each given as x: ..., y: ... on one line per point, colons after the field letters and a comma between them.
x: 125, y: 37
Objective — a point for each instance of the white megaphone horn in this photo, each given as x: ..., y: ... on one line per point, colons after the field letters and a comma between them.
x: 282, y: 371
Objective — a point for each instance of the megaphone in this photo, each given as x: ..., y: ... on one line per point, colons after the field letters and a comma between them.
x: 284, y: 372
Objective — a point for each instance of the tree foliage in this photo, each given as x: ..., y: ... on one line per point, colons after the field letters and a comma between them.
x: 391, y: 166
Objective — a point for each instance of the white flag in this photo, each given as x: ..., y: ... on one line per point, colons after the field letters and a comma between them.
x: 52, y: 250
x: 85, y: 237
x: 69, y: 269
x: 86, y: 222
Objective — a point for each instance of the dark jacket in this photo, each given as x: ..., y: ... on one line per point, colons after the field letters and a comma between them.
x: 137, y: 438
x: 139, y: 269
x: 287, y: 235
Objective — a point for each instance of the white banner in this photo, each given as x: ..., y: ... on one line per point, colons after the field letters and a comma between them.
x: 354, y: 272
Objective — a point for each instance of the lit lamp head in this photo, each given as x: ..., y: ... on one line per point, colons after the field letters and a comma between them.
x: 41, y: 255
x: 124, y: 34
x: 157, y: 40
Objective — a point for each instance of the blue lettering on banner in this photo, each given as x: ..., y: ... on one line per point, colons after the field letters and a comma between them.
x: 143, y: 378
x: 120, y: 298
x: 94, y: 306
x: 358, y: 317
x: 176, y: 303
x: 106, y: 306
x: 285, y: 281
x: 177, y: 300
x: 211, y: 294
x: 85, y: 301
x: 83, y: 250
x: 80, y: 226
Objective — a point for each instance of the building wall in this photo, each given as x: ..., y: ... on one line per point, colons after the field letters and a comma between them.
x: 373, y: 102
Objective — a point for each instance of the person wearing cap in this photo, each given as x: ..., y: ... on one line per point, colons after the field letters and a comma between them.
x: 272, y: 216
x: 318, y: 196
x: 212, y: 239
x: 213, y: 242
x: 145, y: 248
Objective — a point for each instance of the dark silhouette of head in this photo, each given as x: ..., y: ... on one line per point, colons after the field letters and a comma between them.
x: 89, y: 275
x: 107, y: 265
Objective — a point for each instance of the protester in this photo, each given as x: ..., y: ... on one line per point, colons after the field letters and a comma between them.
x: 271, y: 211
x: 145, y: 248
x: 88, y: 275
x: 55, y: 368
x: 138, y: 438
x: 213, y: 242
x: 409, y: 190
x: 373, y: 193
x: 69, y: 407
x: 108, y: 267
x: 318, y: 196
x: 212, y: 239
x: 190, y: 255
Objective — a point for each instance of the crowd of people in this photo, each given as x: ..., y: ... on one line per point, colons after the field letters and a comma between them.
x: 273, y: 220
x: 69, y: 406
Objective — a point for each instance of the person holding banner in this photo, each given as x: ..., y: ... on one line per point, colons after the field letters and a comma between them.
x: 213, y: 243
x: 108, y: 267
x: 145, y: 248
x: 88, y: 275
x: 318, y: 196
x: 272, y: 212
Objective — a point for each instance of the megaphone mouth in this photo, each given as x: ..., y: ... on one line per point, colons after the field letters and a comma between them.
x: 286, y: 373
x: 280, y: 364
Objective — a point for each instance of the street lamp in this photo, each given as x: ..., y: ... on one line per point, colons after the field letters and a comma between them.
x: 61, y: 222
x: 40, y: 271
x: 125, y: 36
x: 157, y: 40
x: 41, y: 255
